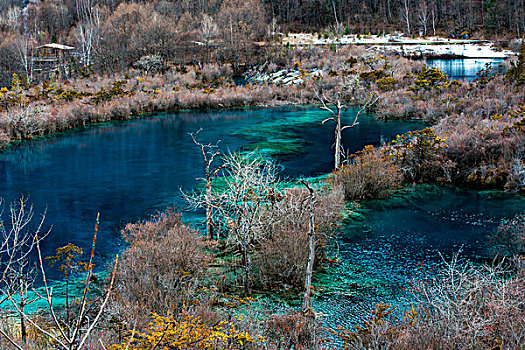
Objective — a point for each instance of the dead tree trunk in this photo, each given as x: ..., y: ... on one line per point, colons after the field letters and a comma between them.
x: 335, y: 14
x: 209, y: 152
x: 311, y: 248
x: 336, y: 117
x: 406, y: 16
x: 338, y: 146
x: 209, y: 218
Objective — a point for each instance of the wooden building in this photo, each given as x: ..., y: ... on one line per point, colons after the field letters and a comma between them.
x: 52, y: 60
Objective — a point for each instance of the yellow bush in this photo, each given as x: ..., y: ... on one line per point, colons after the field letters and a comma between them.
x: 419, y: 154
x: 386, y: 83
x: 187, y: 332
x: 430, y: 79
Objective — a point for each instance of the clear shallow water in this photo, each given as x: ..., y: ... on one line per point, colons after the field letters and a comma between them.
x: 127, y: 171
x: 466, y: 68
x: 389, y: 242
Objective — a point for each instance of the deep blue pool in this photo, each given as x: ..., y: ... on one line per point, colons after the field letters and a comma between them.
x: 128, y: 171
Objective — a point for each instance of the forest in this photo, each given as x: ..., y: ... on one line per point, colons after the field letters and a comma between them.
x: 251, y: 250
x: 113, y: 35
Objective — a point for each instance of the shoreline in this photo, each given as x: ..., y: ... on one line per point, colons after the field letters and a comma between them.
x: 434, y: 47
x: 139, y: 116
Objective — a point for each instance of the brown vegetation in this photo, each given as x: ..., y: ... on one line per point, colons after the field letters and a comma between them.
x: 54, y: 107
x: 370, y: 174
x: 282, y: 256
x: 154, y: 56
x: 293, y: 330
x: 161, y: 268
x: 462, y: 307
x: 477, y: 122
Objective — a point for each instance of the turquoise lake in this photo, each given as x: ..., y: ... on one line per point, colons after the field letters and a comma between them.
x: 127, y: 171
x: 392, y: 241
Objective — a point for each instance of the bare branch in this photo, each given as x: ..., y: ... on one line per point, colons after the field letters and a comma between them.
x: 101, y: 308
x: 329, y: 119
x: 81, y: 314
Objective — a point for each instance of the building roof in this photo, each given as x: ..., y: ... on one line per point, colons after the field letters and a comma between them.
x: 56, y: 46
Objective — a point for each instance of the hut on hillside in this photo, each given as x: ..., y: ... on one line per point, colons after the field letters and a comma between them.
x: 52, y: 60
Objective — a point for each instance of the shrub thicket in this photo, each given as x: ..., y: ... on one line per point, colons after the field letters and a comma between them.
x: 161, y: 268
x: 370, y: 174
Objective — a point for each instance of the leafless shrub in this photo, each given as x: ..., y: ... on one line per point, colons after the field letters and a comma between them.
x: 396, y: 105
x: 509, y: 239
x: 150, y: 64
x: 281, y: 257
x: 161, y: 268
x: 183, y: 79
x: 24, y: 122
x: 368, y: 175
x: 215, y: 73
x: 470, y: 307
x: 461, y: 307
x: 293, y: 330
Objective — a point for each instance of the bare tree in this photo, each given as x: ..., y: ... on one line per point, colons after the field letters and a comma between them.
x: 250, y: 188
x: 338, y: 127
x: 209, y: 154
x: 87, y: 35
x: 18, y: 241
x: 66, y: 336
x: 423, y: 15
x: 11, y: 18
x: 335, y: 14
x: 23, y: 46
x: 311, y: 249
x: 433, y: 14
x: 87, y: 32
x: 336, y: 110
x: 84, y: 8
x: 209, y: 31
x: 405, y: 14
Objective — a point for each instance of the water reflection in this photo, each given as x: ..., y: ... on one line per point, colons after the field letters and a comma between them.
x: 467, y: 68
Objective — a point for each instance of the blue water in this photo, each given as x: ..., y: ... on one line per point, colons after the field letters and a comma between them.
x: 466, y: 68
x: 127, y: 171
x: 392, y: 241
